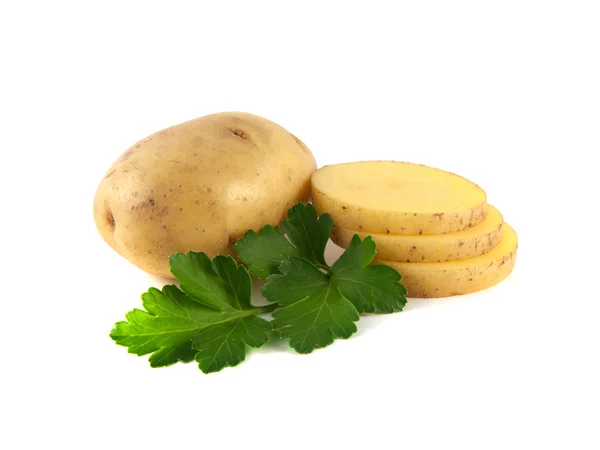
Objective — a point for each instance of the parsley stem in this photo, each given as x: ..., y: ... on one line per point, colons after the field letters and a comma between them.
x: 322, y: 266
x: 267, y: 308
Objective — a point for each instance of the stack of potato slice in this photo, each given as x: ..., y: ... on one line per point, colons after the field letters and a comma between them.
x: 434, y: 227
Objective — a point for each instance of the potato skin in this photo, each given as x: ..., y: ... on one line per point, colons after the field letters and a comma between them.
x: 429, y: 280
x: 200, y: 186
x: 463, y: 244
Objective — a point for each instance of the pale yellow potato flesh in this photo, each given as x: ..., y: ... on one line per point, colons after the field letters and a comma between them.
x: 200, y: 186
x: 445, y: 279
x: 462, y: 244
x: 397, y: 198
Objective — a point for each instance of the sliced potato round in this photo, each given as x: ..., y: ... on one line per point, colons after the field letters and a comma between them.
x: 397, y: 198
x: 459, y: 277
x: 462, y: 244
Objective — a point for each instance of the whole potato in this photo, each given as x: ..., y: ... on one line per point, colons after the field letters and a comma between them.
x: 200, y: 186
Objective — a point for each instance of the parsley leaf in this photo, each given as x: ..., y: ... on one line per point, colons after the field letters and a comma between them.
x: 317, y: 306
x: 312, y: 311
x: 318, y: 303
x: 308, y: 233
x: 307, y: 236
x: 263, y: 253
x: 209, y: 318
x: 370, y: 288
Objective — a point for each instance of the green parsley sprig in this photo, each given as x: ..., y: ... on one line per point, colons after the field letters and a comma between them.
x: 209, y: 317
x: 318, y: 303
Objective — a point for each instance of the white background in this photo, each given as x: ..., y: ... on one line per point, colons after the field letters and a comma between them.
x: 505, y: 93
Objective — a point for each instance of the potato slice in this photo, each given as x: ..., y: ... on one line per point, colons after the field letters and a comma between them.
x: 397, y: 198
x: 459, y: 277
x: 462, y: 244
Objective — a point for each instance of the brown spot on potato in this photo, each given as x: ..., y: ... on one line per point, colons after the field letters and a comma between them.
x: 110, y: 219
x: 239, y: 133
x: 360, y: 227
x: 439, y: 215
x: 422, y: 257
x: 387, y: 231
x: 461, y: 243
x: 420, y: 232
x: 145, y: 204
x: 179, y: 185
x: 164, y: 227
x: 197, y: 202
x: 402, y: 228
x: 181, y: 209
x: 344, y: 207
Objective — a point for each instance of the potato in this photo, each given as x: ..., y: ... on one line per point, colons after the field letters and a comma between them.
x: 462, y: 244
x: 200, y: 186
x: 397, y: 198
x: 459, y: 277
